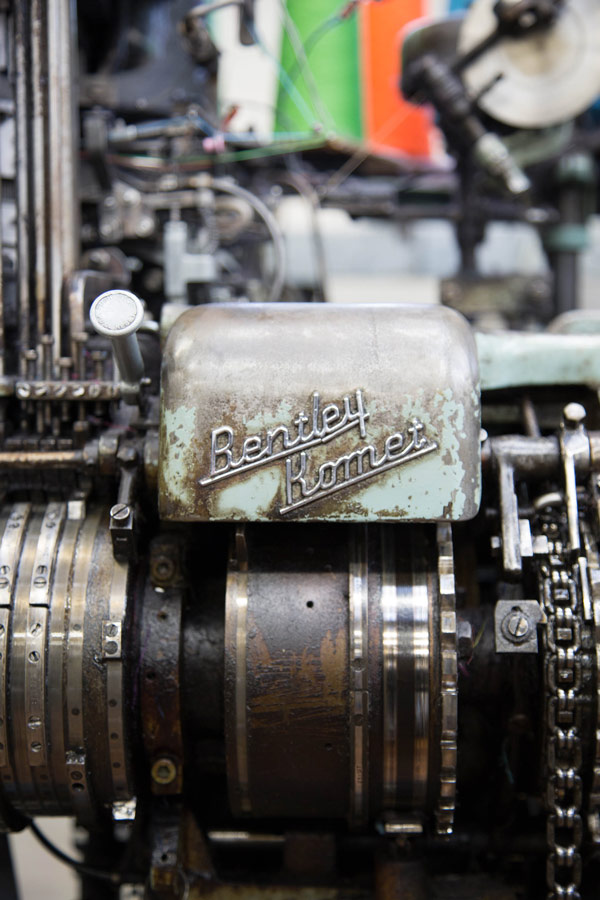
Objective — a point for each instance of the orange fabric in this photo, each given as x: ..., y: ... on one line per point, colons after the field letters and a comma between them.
x: 389, y: 122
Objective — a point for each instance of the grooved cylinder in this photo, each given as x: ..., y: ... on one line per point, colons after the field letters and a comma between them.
x: 332, y: 672
x: 64, y: 745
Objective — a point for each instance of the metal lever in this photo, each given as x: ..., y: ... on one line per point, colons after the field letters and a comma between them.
x: 118, y: 314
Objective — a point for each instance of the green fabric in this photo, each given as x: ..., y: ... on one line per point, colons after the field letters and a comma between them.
x: 333, y: 55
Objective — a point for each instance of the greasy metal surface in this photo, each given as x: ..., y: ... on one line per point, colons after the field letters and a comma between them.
x: 273, y: 892
x: 63, y: 733
x: 159, y: 675
x: 313, y: 729
x: 286, y: 704
x: 356, y: 413
x: 395, y: 879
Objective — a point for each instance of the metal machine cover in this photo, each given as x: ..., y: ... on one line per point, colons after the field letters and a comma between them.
x: 320, y: 412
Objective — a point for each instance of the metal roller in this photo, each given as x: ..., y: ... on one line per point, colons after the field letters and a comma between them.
x: 339, y: 701
x: 63, y: 601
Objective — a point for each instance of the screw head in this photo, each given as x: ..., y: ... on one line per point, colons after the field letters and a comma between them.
x: 164, y: 770
x: 516, y: 626
x: 120, y: 512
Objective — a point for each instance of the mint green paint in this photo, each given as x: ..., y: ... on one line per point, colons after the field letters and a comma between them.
x: 178, y: 431
x: 284, y: 414
x: 422, y: 488
x: 248, y: 499
x: 515, y: 359
x: 430, y: 487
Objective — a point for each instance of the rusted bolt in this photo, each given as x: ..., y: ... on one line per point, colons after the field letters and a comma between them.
x: 164, y: 770
x: 516, y: 626
x: 162, y: 568
x: 120, y: 512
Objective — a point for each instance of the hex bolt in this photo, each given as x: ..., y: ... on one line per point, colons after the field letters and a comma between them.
x: 516, y: 626
x: 573, y: 415
x: 164, y: 770
x: 118, y: 314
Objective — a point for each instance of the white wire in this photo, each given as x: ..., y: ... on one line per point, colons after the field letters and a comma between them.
x: 230, y: 187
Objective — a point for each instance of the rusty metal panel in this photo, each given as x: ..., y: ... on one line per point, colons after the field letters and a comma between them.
x: 320, y: 412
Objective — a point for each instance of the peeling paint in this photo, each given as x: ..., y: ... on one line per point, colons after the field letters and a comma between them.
x: 260, y: 370
x: 178, y: 432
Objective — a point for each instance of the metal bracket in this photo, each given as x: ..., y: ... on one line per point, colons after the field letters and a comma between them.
x: 515, y: 625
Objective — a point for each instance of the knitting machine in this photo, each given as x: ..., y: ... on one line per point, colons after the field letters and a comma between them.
x: 297, y: 599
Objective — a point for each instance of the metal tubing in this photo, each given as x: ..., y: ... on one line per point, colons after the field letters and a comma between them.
x: 42, y: 459
x: 22, y: 139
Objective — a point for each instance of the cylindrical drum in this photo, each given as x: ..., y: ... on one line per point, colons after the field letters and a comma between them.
x: 63, y: 602
x: 340, y: 673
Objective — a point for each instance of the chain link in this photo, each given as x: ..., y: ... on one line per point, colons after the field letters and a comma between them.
x: 563, y: 666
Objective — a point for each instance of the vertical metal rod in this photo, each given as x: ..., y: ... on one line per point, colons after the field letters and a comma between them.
x: 22, y: 140
x: 511, y: 536
x: 2, y: 347
x: 39, y: 77
x: 571, y: 497
x: 61, y: 156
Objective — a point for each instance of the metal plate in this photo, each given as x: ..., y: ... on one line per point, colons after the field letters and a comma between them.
x: 319, y: 412
x: 539, y: 80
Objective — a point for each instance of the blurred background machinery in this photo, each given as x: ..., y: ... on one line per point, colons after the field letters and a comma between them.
x: 300, y: 590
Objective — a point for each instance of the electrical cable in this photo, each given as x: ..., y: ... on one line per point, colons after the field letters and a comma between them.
x: 229, y: 187
x: 183, y: 125
x: 186, y: 163
x: 304, y: 188
x: 81, y: 868
x: 362, y: 153
x: 204, y: 9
